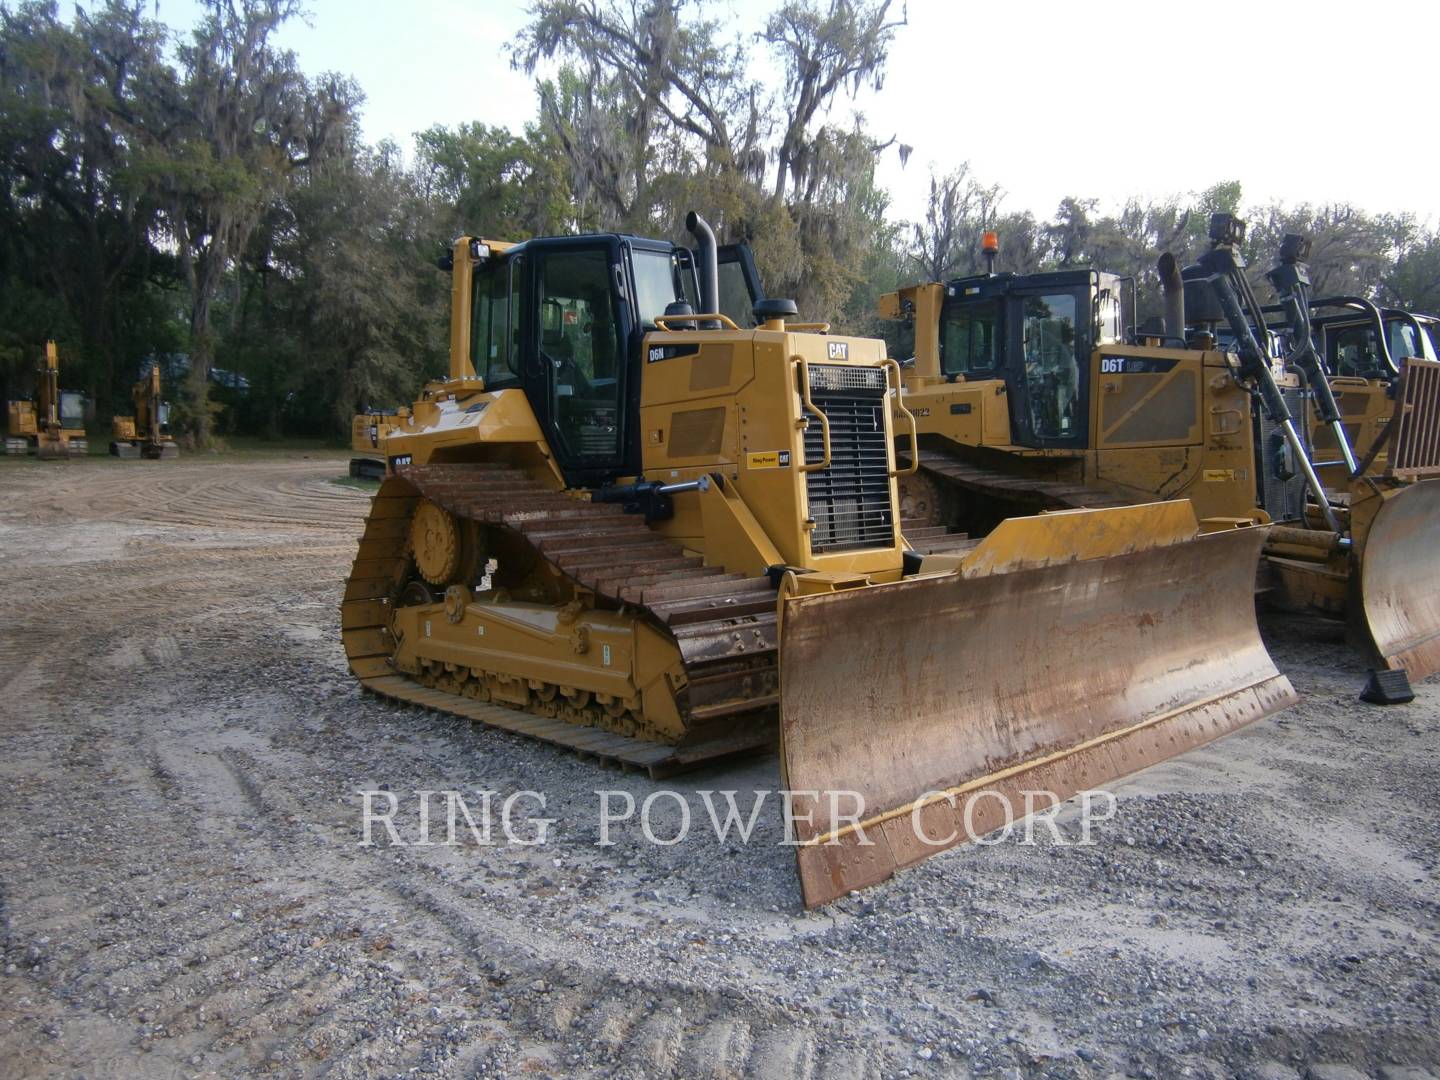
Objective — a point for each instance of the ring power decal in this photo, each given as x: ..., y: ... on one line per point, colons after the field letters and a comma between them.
x: 768, y: 459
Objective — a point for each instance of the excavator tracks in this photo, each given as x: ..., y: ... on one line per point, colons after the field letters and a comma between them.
x: 723, y: 625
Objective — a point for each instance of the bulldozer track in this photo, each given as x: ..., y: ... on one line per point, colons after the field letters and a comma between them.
x: 723, y: 624
x: 1035, y: 493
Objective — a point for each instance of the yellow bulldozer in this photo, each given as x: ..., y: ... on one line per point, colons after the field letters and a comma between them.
x: 146, y: 434
x: 52, y: 424
x: 652, y: 517
x: 1029, y: 396
x: 367, y: 431
x: 1361, y: 351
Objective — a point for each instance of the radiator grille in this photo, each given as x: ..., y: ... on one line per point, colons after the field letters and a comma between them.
x: 850, y: 501
x: 1415, y: 452
x: 828, y: 378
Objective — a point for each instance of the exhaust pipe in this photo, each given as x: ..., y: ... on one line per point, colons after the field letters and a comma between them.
x: 709, y: 266
x: 1174, y: 289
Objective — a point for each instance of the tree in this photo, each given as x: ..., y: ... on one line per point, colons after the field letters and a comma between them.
x: 241, y: 121
x: 1412, y: 279
x: 341, y: 306
x: 77, y: 212
x: 490, y: 182
x: 645, y: 78
x: 823, y: 51
x: 957, y: 214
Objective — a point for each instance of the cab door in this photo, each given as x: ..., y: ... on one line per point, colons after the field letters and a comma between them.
x: 1048, y: 366
x: 575, y: 349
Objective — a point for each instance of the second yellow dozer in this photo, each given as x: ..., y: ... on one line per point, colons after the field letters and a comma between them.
x: 1029, y: 396
x: 367, y: 431
x: 1355, y: 357
x: 659, y: 538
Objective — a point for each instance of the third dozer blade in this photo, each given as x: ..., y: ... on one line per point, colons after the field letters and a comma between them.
x: 651, y: 516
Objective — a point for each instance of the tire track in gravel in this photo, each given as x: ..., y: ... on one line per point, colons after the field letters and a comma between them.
x: 651, y: 1028
x: 210, y: 712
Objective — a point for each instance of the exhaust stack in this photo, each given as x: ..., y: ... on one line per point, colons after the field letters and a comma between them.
x: 709, y: 266
x: 1174, y: 289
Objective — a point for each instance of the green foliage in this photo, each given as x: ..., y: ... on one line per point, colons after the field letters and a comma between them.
x: 197, y: 197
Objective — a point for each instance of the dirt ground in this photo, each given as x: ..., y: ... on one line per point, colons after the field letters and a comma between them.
x: 183, y: 892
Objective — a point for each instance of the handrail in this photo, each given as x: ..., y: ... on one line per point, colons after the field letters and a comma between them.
x: 914, y: 466
x: 808, y: 467
x: 809, y: 327
x: 663, y: 321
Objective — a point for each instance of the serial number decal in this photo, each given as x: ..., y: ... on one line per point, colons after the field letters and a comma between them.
x: 768, y: 459
x: 920, y: 412
x: 1135, y: 365
x: 669, y: 352
x: 1219, y: 476
x: 838, y: 350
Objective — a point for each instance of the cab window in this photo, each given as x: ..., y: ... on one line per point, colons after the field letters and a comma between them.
x: 1353, y: 352
x: 970, y: 338
x: 735, y: 298
x: 494, y: 324
x: 656, y: 285
x: 1403, y: 342
x: 1052, y: 369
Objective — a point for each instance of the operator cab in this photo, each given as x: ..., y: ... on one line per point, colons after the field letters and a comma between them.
x: 564, y: 319
x: 72, y: 410
x: 1348, y: 344
x: 1036, y: 332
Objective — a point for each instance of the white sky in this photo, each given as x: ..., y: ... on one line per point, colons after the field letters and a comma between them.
x: 1046, y: 98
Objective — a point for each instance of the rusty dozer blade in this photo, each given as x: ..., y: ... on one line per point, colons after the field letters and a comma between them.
x: 1065, y: 651
x: 1400, y: 580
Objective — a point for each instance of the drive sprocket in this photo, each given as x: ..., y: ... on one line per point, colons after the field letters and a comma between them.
x: 435, y: 543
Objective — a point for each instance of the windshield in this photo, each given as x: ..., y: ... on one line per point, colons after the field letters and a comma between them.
x: 72, y: 409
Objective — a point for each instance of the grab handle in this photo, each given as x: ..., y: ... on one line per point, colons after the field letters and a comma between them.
x: 893, y: 368
x: 811, y: 408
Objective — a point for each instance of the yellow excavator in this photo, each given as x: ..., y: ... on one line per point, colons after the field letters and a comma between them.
x: 146, y: 434
x: 635, y: 523
x: 1030, y: 396
x: 53, y: 424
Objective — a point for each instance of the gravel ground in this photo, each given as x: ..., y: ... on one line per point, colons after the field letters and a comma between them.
x: 182, y: 890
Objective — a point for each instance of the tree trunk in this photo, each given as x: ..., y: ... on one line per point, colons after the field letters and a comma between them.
x: 202, y: 351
